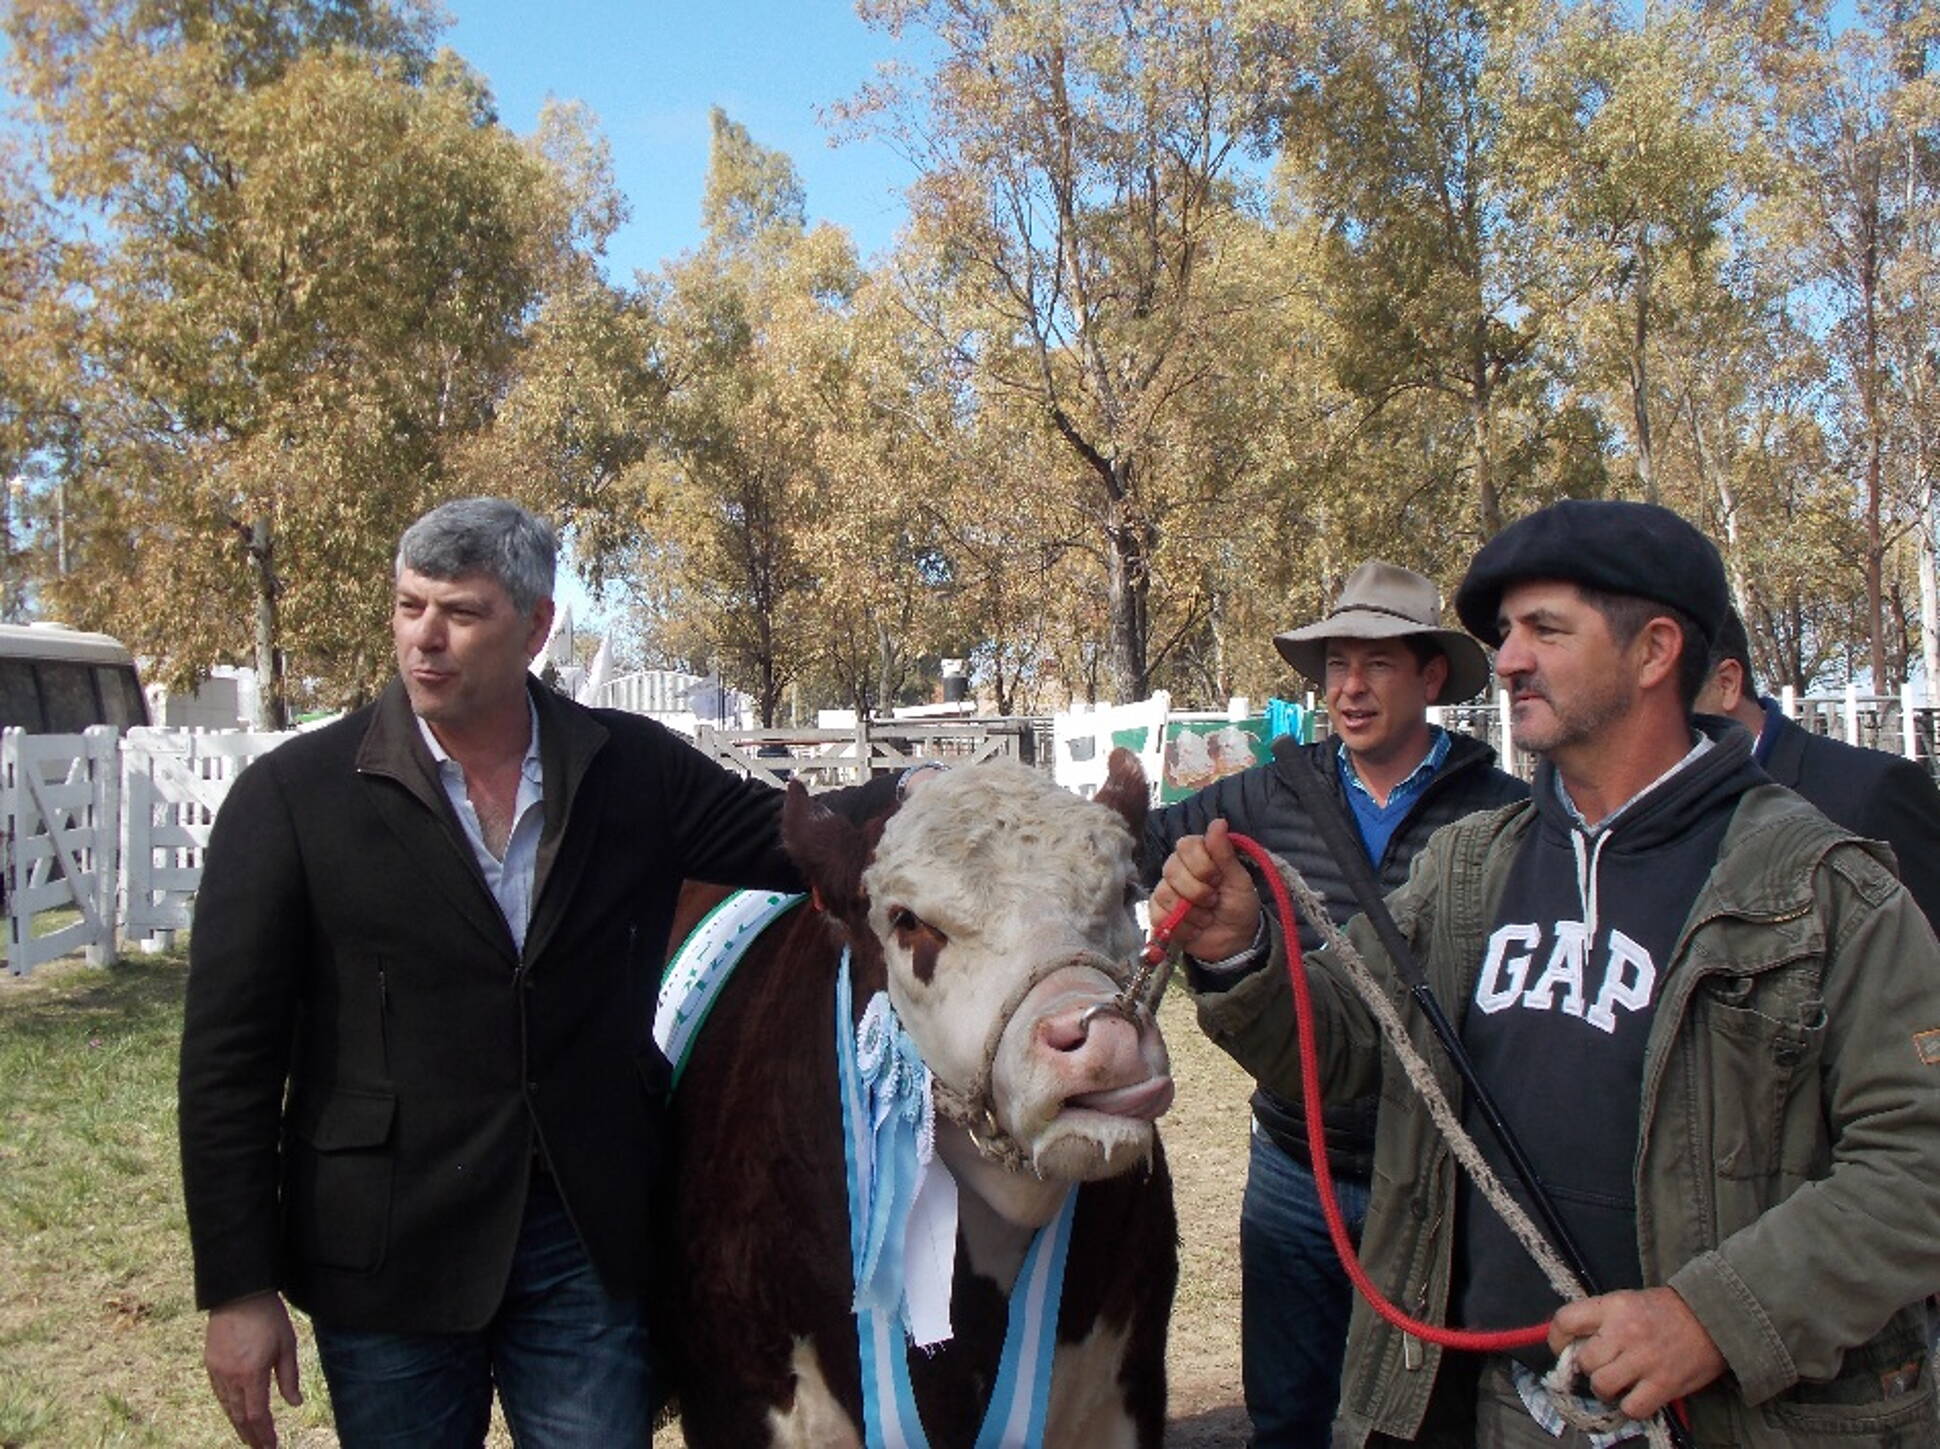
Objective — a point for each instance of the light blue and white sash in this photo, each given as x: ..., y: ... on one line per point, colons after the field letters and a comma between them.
x: 887, y: 1122
x: 704, y: 962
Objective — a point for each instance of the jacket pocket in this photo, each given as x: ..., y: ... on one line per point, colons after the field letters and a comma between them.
x: 1903, y: 1421
x: 1762, y: 1032
x: 1882, y: 1394
x: 338, y: 1189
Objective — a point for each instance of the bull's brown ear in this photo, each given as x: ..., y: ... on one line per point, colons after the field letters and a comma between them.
x: 830, y: 851
x: 1125, y: 790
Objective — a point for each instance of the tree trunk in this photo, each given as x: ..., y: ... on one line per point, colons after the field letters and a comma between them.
x: 1929, y: 535
x: 1482, y: 416
x: 770, y: 692
x: 1869, y: 390
x: 1728, y: 514
x: 1640, y: 385
x: 1128, y: 584
x: 888, y: 666
x: 272, y: 710
x: 1216, y: 627
x: 1875, y: 567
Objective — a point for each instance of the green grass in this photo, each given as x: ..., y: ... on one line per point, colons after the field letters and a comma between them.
x: 100, y: 1343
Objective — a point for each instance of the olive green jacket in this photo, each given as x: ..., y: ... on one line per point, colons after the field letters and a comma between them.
x: 1788, y: 1165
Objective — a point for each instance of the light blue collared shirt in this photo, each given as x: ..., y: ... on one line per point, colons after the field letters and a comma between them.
x: 510, y: 880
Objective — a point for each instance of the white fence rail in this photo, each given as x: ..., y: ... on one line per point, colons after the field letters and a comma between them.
x: 110, y: 829
x: 1900, y: 724
x: 678, y: 700
x: 821, y: 758
x: 1083, y: 740
x: 173, y: 782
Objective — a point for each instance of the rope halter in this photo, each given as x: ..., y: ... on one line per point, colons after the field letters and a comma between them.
x: 974, y: 1108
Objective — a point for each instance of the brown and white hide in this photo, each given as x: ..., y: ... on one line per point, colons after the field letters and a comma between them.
x: 987, y: 879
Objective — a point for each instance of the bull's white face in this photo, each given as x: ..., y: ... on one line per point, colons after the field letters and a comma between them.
x: 989, y: 878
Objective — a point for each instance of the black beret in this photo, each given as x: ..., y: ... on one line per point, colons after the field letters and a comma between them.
x: 1604, y: 544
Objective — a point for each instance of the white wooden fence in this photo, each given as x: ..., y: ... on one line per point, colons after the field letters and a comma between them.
x: 173, y: 782
x: 1901, y: 724
x: 112, y: 829
x: 821, y: 758
x: 1083, y: 739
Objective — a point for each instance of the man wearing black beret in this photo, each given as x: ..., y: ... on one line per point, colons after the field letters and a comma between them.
x: 1710, y: 1016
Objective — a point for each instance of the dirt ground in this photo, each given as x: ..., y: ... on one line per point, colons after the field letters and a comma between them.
x: 1205, y: 1141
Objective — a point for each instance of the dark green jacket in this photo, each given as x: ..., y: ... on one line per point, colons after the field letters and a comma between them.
x: 1788, y: 1166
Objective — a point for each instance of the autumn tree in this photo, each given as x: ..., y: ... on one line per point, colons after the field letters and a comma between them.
x: 1395, y: 135
x: 1630, y: 139
x: 749, y: 346
x: 1007, y: 583
x: 1082, y: 168
x: 1856, y: 145
x: 1912, y: 287
x: 316, y: 254
x: 886, y: 600
x: 31, y: 414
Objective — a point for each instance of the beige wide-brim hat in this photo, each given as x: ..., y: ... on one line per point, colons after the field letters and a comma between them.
x: 1385, y: 601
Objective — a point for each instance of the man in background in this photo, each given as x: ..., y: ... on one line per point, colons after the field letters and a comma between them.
x: 1381, y: 657
x: 1872, y: 793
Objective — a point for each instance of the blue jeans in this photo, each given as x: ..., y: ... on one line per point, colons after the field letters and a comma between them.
x: 570, y: 1362
x: 1294, y: 1299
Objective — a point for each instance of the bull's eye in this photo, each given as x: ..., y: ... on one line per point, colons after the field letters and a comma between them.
x: 918, y: 937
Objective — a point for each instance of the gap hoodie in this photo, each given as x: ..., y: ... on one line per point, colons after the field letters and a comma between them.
x: 1570, y: 979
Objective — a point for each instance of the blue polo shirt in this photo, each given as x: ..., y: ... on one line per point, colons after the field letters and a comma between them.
x: 1378, y: 822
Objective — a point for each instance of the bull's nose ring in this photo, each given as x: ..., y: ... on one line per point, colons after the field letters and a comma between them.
x: 1112, y: 1007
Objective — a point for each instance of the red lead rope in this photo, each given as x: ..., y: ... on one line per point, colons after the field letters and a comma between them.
x: 1478, y: 1342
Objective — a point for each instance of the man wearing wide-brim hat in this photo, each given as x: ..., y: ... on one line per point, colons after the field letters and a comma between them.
x: 1381, y: 657
x: 1384, y: 602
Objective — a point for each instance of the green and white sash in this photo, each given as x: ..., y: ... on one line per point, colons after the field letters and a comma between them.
x: 704, y: 962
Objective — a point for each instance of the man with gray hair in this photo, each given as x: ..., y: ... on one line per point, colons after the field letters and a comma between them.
x: 419, y: 1093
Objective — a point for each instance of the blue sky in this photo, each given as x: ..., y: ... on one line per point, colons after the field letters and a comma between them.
x: 651, y: 69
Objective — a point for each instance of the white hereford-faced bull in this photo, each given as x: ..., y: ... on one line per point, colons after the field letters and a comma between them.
x: 1036, y: 1253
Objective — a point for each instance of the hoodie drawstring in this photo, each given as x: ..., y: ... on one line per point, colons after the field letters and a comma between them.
x: 1586, y: 877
